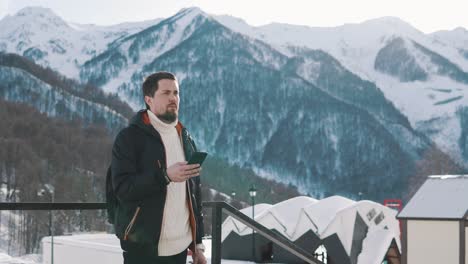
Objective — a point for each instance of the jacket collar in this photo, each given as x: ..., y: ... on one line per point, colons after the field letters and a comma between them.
x: 141, y: 120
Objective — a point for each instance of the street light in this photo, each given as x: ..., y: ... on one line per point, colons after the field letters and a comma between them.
x: 51, y: 190
x: 252, y: 194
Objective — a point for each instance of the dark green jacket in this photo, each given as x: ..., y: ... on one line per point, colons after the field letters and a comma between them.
x: 138, y: 168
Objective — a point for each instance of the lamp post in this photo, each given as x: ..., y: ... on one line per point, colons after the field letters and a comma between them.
x: 252, y: 194
x: 50, y: 189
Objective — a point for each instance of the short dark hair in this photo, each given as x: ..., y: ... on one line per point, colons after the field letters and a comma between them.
x: 150, y: 85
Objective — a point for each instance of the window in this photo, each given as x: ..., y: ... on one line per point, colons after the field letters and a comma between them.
x: 321, y: 253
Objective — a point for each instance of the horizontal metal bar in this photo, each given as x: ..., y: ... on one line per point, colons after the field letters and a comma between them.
x: 52, y: 206
x: 231, y: 211
x: 267, y: 233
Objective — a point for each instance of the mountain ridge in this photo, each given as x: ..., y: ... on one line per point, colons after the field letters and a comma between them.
x: 287, y: 82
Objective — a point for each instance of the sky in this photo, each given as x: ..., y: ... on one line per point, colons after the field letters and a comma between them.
x: 427, y: 16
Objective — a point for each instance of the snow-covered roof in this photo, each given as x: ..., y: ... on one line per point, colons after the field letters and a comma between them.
x: 374, y: 246
x: 333, y: 215
x: 440, y: 197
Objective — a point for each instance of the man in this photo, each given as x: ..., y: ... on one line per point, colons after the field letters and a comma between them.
x: 158, y: 215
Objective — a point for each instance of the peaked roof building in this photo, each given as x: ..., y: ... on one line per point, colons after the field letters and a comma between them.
x: 351, y: 232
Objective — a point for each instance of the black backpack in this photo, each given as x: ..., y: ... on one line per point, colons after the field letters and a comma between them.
x: 111, y: 199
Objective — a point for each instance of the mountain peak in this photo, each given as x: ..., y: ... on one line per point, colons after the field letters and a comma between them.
x: 34, y: 15
x: 185, y: 16
x: 389, y: 22
x: 387, y: 19
x: 193, y: 11
x: 36, y: 11
x: 460, y: 30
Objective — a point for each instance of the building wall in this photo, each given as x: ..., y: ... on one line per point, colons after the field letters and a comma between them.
x: 433, y: 242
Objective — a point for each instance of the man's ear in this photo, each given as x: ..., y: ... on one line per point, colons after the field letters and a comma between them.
x: 148, y: 100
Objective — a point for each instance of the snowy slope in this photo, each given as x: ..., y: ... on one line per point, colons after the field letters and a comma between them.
x: 112, y: 56
x: 457, y: 38
x: 357, y: 46
x: 41, y: 35
x: 21, y: 86
x: 167, y: 35
x: 138, y: 50
x: 210, y: 59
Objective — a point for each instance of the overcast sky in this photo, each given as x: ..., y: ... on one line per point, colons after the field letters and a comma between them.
x: 425, y: 15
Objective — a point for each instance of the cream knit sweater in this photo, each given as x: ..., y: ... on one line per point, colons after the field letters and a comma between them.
x: 176, y: 234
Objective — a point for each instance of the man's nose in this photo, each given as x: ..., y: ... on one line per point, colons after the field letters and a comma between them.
x: 173, y: 98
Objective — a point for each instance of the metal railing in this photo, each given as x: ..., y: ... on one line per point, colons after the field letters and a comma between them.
x: 52, y: 206
x: 221, y: 207
x: 218, y: 208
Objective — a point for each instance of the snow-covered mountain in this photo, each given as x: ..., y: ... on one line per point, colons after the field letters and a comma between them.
x: 326, y: 109
x: 457, y: 38
x: 425, y: 76
x: 23, y: 81
x: 117, y: 64
x: 41, y: 35
x: 242, y: 97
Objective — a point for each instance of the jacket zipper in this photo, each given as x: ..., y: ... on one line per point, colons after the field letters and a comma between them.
x: 192, y: 215
x: 132, y: 222
x: 191, y: 145
x: 194, y: 233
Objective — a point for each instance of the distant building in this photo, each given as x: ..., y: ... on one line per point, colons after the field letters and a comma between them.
x: 347, y: 232
x: 435, y: 222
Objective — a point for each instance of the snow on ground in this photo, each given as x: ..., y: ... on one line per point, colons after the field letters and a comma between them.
x: 431, y: 97
x: 26, y: 259
x: 96, y: 248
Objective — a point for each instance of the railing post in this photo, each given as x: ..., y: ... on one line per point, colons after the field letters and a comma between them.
x: 216, y: 234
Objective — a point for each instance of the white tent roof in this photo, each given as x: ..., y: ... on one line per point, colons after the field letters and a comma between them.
x: 332, y: 215
x: 374, y: 246
x: 443, y: 196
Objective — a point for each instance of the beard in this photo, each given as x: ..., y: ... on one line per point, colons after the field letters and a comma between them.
x: 168, y: 117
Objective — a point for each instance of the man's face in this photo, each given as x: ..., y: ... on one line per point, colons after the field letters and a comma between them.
x: 165, y: 101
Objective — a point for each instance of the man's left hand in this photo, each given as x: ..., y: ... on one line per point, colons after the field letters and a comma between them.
x: 198, y: 257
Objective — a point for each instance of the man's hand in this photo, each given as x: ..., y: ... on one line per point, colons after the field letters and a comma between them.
x: 181, y: 171
x: 198, y: 257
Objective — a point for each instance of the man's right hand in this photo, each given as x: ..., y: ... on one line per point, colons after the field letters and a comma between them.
x: 181, y: 171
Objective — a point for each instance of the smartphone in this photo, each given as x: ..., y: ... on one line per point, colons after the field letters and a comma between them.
x: 197, y: 158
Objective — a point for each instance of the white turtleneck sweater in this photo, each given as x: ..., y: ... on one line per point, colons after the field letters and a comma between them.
x: 176, y: 234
